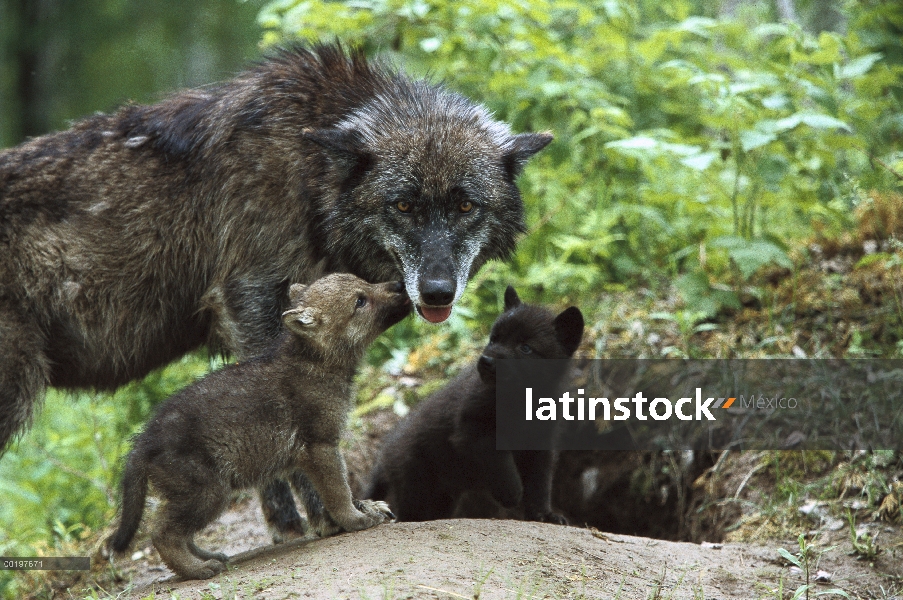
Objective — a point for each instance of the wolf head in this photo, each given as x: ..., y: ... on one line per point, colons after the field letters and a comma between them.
x: 341, y: 314
x: 529, y: 332
x: 428, y: 177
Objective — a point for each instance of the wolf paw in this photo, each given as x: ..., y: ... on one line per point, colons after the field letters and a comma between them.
x: 283, y: 532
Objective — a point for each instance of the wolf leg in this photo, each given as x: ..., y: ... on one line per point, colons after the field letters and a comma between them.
x: 24, y: 372
x: 280, y: 512
x: 317, y: 517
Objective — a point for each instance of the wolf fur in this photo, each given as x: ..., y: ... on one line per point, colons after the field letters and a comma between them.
x: 133, y: 238
x: 446, y: 446
x: 267, y: 417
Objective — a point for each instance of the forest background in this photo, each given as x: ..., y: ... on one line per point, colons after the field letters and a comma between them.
x: 709, y: 161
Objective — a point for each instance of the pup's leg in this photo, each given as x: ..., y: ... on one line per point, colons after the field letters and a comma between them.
x: 325, y: 467
x: 536, y: 468
x: 421, y: 501
x: 246, y: 319
x: 491, y: 469
x: 206, y: 554
x: 24, y: 372
x: 173, y: 535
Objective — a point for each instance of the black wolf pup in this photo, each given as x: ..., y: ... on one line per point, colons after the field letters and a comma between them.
x: 136, y: 237
x: 446, y: 447
x: 253, y: 421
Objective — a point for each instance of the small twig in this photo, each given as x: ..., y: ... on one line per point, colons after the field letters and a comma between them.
x: 875, y: 159
x: 746, y: 479
x: 432, y: 589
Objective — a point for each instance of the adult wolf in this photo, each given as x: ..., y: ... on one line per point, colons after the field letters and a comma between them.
x: 135, y: 237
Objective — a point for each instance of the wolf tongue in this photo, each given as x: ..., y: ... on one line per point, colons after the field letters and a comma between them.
x: 435, y: 314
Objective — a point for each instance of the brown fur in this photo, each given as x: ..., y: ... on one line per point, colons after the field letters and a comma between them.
x: 261, y: 419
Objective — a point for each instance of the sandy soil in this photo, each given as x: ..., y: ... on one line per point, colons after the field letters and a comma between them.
x: 488, y: 559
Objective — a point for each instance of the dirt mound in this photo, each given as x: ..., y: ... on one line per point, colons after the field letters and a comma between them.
x: 505, y: 559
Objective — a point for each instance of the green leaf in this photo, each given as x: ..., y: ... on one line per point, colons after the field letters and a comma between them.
x: 821, y: 121
x: 634, y: 143
x: 789, y: 557
x: 700, y: 162
x: 836, y: 591
x: 752, y: 139
x: 701, y: 297
x: 751, y: 255
x: 859, y: 66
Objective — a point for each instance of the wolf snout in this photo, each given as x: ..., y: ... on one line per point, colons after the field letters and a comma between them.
x: 437, y: 292
x: 487, y: 362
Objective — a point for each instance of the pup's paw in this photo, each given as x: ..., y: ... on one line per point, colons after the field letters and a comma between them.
x: 204, y: 570
x: 549, y: 517
x: 377, y: 507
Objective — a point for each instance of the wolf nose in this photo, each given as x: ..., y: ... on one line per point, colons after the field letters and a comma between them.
x: 437, y: 292
x: 487, y: 362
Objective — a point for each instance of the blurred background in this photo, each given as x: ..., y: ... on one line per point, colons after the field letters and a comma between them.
x: 725, y: 181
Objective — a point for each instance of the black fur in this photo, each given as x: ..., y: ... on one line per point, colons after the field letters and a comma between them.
x: 446, y: 447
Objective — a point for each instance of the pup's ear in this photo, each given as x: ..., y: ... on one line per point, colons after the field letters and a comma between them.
x: 295, y: 292
x: 520, y: 148
x: 512, y: 300
x: 301, y: 320
x: 569, y: 329
x: 346, y: 152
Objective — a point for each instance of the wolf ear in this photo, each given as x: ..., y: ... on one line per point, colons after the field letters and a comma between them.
x: 512, y: 300
x: 295, y: 292
x: 569, y: 329
x: 521, y: 147
x: 301, y: 320
x: 345, y: 150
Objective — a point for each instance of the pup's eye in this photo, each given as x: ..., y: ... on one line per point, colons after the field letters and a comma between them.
x: 465, y: 206
x: 403, y: 206
x: 361, y: 302
x: 525, y: 349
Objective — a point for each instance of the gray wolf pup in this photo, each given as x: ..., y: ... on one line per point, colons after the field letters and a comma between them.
x: 135, y: 237
x: 267, y: 417
x: 446, y: 447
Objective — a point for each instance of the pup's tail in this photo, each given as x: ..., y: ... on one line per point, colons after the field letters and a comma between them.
x: 134, y: 492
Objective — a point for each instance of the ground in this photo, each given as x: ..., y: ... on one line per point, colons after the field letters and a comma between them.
x: 465, y: 558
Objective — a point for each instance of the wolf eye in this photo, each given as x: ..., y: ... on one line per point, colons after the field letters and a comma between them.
x: 403, y: 206
x: 361, y: 302
x: 465, y: 206
x: 525, y: 349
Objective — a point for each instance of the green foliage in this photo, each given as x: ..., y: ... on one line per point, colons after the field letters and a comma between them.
x: 59, y: 482
x: 671, y: 129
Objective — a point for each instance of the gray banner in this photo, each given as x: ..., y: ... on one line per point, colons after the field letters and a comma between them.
x: 45, y: 563
x: 651, y: 404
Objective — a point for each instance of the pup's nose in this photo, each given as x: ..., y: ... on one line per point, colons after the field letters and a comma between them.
x: 437, y: 292
x: 487, y: 362
x: 396, y: 287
